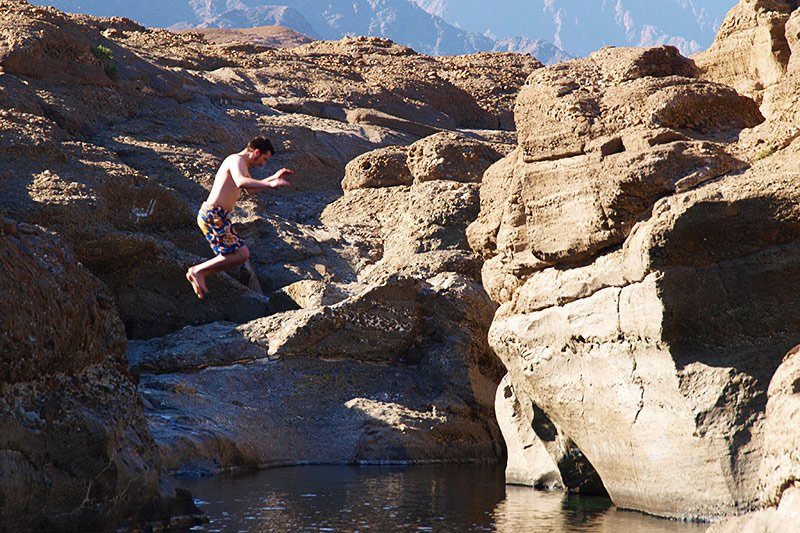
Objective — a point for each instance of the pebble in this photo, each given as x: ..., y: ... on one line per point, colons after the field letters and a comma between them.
x: 26, y: 229
x: 9, y: 226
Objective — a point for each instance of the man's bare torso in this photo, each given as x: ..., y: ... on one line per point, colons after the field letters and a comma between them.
x: 225, y: 192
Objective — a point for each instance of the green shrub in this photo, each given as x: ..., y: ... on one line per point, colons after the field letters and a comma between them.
x: 106, y: 55
x: 766, y: 152
x: 102, y: 53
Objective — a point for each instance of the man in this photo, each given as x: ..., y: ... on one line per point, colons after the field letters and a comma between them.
x: 214, y: 215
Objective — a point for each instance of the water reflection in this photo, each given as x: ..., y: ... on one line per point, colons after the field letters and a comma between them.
x: 393, y: 498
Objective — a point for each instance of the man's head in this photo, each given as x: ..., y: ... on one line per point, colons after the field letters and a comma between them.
x: 260, y: 150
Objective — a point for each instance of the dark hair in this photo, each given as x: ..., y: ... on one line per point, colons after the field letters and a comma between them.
x: 261, y: 144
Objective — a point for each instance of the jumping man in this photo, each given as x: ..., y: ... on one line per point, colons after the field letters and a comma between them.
x: 213, y: 217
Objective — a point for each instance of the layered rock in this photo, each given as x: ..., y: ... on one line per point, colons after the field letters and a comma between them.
x: 778, y: 473
x: 388, y: 362
x: 778, y: 24
x: 76, y: 447
x: 750, y: 52
x: 637, y: 276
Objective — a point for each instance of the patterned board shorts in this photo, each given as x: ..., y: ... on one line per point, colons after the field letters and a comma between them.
x: 218, y: 229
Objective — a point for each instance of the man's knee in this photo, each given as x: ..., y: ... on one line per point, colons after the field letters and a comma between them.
x: 244, y: 253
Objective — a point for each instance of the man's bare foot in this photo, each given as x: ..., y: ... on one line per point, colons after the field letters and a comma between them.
x: 198, y: 288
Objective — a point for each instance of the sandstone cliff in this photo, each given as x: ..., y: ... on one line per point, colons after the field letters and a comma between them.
x: 643, y: 247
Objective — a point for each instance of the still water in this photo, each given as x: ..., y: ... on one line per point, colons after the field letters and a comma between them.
x: 395, y: 498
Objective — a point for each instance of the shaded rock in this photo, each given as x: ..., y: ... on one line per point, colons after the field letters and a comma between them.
x: 305, y: 294
x: 425, y: 85
x: 151, y: 291
x: 493, y: 78
x: 76, y: 446
x: 781, y: 464
x: 377, y: 118
x: 384, y: 167
x: 540, y: 455
x: 306, y: 410
x: 191, y: 349
x: 450, y: 156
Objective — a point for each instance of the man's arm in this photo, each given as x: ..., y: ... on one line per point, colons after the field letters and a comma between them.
x: 241, y: 176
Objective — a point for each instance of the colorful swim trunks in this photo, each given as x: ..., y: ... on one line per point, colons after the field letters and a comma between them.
x: 218, y: 229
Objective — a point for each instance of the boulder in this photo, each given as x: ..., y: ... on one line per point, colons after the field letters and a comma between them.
x: 385, y: 120
x: 306, y: 294
x: 562, y: 107
x: 451, y: 156
x: 76, y: 447
x: 384, y: 167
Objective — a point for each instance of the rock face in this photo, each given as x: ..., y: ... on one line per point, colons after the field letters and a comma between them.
x: 383, y: 359
x: 127, y: 126
x: 540, y: 455
x: 751, y: 51
x: 76, y: 447
x: 637, y: 262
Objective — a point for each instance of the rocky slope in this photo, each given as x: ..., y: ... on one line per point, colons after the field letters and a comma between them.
x: 642, y: 243
x: 372, y: 346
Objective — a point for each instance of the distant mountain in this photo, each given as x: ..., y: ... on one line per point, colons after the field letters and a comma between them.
x: 544, y: 51
x: 551, y: 30
x: 582, y: 26
x: 259, y: 17
x: 400, y: 20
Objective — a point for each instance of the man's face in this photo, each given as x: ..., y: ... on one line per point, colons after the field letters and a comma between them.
x: 259, y: 158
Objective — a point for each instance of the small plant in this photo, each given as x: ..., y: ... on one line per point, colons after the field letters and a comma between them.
x: 106, y: 55
x: 766, y: 152
x: 102, y: 53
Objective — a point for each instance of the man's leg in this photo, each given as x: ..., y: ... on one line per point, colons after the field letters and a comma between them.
x: 197, y: 274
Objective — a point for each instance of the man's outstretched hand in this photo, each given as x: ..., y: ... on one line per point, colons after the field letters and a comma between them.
x: 279, y: 178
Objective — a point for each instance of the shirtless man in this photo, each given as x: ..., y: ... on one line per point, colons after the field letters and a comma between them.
x: 214, y: 215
